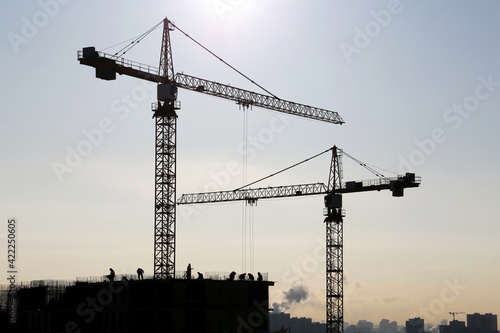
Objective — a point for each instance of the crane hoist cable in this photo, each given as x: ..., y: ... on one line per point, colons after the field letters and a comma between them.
x: 244, y: 207
x: 248, y: 216
x: 252, y: 219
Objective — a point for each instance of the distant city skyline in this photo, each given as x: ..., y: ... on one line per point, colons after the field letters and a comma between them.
x: 486, y: 323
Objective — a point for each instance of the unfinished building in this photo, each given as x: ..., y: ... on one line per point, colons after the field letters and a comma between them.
x: 172, y: 305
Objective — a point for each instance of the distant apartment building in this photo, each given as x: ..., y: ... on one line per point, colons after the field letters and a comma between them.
x: 482, y: 323
x: 476, y: 323
x: 365, y: 326
x: 278, y: 321
x: 415, y: 325
x: 362, y: 326
x: 385, y: 326
x: 350, y: 329
x: 455, y: 326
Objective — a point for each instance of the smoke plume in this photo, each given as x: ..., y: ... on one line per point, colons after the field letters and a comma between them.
x: 294, y: 295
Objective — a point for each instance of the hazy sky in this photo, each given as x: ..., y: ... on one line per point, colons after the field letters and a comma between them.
x: 417, y: 83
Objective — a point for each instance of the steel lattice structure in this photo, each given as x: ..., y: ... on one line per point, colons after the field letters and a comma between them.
x: 257, y: 193
x: 249, y: 98
x: 165, y: 164
x: 165, y: 195
x: 166, y: 68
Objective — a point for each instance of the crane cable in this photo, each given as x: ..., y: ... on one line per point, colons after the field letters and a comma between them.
x: 365, y: 165
x: 251, y: 212
x: 283, y: 170
x: 247, y: 210
x: 137, y: 40
x: 134, y: 42
x: 227, y: 64
x: 244, y: 206
x: 368, y: 167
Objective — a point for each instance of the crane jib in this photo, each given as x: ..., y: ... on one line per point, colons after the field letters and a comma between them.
x: 249, y: 98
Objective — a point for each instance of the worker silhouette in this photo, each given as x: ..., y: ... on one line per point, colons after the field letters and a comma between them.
x: 140, y: 273
x: 200, y: 276
x: 111, y: 275
x: 242, y: 276
x: 250, y: 277
x: 259, y: 276
x: 188, y: 272
x: 232, y: 275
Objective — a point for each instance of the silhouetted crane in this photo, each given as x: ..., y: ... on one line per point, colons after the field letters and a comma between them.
x: 454, y: 313
x: 333, y: 213
x: 165, y: 114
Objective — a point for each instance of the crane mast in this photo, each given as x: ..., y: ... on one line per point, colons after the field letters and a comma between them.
x: 334, y: 247
x: 165, y: 162
x: 333, y: 213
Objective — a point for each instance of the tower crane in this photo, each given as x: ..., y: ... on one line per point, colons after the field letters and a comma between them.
x: 165, y: 114
x: 454, y: 313
x: 333, y: 213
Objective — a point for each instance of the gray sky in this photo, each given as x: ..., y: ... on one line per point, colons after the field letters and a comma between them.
x: 416, y: 82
